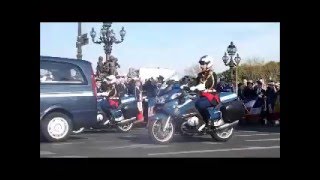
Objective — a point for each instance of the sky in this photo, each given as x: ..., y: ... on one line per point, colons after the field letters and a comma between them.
x: 167, y: 45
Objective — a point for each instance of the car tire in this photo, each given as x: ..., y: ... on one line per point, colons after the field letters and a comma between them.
x: 56, y: 127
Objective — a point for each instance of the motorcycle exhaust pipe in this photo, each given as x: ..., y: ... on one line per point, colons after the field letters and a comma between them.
x: 127, y: 120
x: 227, y: 125
x: 188, y: 115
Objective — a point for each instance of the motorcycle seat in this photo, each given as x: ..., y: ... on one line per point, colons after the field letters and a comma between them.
x: 128, y: 99
x: 227, y: 96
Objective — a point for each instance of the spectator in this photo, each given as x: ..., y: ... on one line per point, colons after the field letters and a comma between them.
x: 277, y: 109
x: 249, y: 92
x: 138, y: 95
x: 259, y: 90
x: 261, y: 101
x: 130, y: 86
x: 229, y: 87
x: 123, y: 83
x: 271, y: 96
x: 240, y: 91
x: 120, y: 87
x: 150, y: 88
x: 99, y: 89
x: 220, y: 86
x: 245, y: 82
x: 277, y: 86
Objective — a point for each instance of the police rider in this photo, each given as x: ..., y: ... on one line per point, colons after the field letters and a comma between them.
x: 206, y: 82
x: 109, y: 91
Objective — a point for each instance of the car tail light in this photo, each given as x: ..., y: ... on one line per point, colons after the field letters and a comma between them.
x: 93, y: 81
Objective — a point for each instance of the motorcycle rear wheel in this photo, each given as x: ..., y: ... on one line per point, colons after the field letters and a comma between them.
x: 222, y: 135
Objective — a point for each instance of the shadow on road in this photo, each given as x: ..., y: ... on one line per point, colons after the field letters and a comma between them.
x: 99, y: 131
x: 70, y: 139
x: 144, y: 139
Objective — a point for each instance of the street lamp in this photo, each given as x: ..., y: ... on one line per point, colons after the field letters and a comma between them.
x: 232, y: 49
x: 107, y: 37
x: 81, y: 41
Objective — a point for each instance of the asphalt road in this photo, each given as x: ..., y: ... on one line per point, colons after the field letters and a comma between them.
x: 250, y: 141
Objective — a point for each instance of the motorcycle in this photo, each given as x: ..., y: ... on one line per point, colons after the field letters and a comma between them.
x: 122, y: 117
x: 176, y: 112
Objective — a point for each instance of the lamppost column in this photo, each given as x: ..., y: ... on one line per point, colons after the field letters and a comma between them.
x: 79, y: 49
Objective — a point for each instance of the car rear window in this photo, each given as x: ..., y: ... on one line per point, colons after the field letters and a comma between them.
x: 60, y: 73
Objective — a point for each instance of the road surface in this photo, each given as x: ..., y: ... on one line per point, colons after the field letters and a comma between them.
x: 250, y: 141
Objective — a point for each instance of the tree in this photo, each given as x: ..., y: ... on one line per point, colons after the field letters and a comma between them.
x: 271, y: 70
x: 255, y: 69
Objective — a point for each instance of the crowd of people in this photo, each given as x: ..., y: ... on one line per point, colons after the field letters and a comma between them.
x: 265, y: 96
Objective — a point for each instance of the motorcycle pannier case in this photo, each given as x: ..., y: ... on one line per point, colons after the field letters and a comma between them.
x: 232, y: 111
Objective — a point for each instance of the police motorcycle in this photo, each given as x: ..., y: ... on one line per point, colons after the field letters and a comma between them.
x: 121, y: 118
x: 175, y: 111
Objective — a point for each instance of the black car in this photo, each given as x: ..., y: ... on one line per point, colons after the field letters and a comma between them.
x: 68, y: 97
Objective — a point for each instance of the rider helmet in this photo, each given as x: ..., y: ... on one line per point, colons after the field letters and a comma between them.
x: 206, y: 62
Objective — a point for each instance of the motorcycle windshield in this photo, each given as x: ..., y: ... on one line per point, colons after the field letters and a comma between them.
x: 166, y: 86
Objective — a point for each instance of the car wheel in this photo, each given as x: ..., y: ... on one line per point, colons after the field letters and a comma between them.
x: 56, y: 127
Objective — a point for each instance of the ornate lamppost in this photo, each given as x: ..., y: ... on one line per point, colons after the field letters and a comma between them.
x: 232, y: 63
x: 107, y: 38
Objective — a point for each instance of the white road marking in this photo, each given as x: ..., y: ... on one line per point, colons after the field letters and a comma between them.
x: 70, y: 156
x: 247, y: 135
x: 101, y: 141
x: 245, y: 131
x: 68, y: 143
x: 123, y: 147
x: 136, y: 146
x: 46, y: 153
x: 276, y: 139
x: 128, y: 136
x: 216, y: 150
x: 155, y: 146
x: 210, y: 143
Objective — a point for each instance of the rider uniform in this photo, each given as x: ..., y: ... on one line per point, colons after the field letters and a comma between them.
x: 110, y: 92
x: 208, y: 97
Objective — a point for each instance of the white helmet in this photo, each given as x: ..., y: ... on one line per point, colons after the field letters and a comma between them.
x: 206, y: 60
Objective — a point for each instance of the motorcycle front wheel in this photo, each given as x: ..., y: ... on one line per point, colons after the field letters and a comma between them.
x: 156, y: 133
